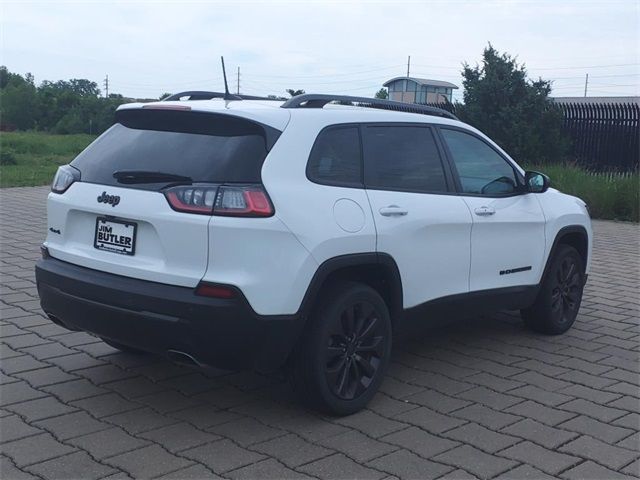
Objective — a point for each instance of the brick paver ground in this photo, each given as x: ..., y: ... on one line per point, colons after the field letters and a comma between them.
x: 483, y: 398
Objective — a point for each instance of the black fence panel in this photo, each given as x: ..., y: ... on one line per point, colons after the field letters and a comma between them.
x: 604, y: 136
x: 449, y: 107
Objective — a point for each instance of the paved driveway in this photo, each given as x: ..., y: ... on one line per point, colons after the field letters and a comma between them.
x: 484, y: 398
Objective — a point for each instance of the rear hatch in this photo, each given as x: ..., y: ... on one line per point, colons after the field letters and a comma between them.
x: 118, y: 218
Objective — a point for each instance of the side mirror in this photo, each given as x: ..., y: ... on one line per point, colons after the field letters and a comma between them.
x: 536, y: 182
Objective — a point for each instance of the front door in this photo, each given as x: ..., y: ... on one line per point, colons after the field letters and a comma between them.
x: 507, y: 238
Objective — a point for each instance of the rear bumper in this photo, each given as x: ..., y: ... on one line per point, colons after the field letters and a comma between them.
x: 155, y: 317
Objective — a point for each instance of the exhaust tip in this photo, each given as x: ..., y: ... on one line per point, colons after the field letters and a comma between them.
x: 182, y: 358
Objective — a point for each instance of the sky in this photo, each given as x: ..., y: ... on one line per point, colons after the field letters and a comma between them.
x: 351, y: 47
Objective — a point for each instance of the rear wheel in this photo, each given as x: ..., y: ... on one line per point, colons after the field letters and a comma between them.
x: 558, y: 301
x: 343, y: 354
x: 123, y: 348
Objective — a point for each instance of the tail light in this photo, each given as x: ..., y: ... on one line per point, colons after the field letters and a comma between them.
x: 227, y: 200
x: 63, y: 178
x: 192, y: 198
x: 243, y: 201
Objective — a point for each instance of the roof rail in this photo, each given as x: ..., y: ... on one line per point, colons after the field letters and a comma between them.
x: 312, y: 100
x: 203, y: 95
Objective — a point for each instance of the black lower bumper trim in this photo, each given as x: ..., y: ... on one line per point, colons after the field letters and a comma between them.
x: 155, y: 317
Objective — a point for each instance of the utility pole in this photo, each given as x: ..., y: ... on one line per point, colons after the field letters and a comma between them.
x: 238, y: 87
x: 408, y: 65
x: 106, y: 86
x: 586, y: 82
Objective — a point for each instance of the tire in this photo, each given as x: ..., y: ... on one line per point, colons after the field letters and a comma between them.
x: 558, y: 301
x: 342, y: 356
x: 123, y: 348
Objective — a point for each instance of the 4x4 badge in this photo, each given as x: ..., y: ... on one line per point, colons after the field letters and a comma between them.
x: 111, y: 199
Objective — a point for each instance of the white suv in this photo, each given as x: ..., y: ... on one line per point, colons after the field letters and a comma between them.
x: 258, y: 234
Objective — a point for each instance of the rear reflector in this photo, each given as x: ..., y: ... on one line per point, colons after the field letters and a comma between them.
x: 215, y: 291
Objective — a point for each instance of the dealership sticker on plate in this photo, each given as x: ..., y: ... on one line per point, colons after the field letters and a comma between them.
x: 115, y: 236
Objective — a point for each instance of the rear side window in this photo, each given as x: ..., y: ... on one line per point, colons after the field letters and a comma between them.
x: 202, y: 146
x: 402, y: 158
x: 336, y: 158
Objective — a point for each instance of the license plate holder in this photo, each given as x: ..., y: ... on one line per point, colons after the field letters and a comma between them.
x: 116, y: 236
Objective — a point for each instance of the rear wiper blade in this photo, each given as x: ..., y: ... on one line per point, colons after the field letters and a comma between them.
x: 142, y: 176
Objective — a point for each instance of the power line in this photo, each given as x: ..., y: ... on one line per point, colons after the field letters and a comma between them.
x: 617, y: 84
x: 600, y: 76
x: 588, y: 66
x: 327, y: 74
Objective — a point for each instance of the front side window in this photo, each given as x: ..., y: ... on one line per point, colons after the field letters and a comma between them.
x: 335, y: 158
x: 403, y: 158
x: 481, y: 169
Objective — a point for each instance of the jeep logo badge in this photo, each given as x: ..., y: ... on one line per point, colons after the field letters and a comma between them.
x: 111, y: 199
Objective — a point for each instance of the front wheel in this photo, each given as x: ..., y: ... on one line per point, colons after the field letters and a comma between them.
x: 344, y: 351
x: 558, y: 301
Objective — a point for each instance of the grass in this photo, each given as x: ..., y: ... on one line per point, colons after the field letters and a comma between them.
x: 613, y: 196
x: 37, y: 156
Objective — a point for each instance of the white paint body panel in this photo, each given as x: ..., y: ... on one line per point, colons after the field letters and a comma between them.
x: 562, y: 211
x: 171, y: 247
x: 512, y: 237
x: 430, y: 244
x: 307, y: 208
x: 262, y: 258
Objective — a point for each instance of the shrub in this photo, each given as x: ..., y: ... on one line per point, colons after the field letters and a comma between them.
x: 512, y: 110
x: 613, y: 196
x: 7, y: 157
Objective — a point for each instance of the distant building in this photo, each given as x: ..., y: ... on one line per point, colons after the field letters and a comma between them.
x: 419, y: 90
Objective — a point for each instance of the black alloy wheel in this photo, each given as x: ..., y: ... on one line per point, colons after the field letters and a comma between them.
x: 340, y: 360
x: 567, y: 291
x: 355, y: 350
x: 557, y: 304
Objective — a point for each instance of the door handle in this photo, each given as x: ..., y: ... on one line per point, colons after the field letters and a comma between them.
x: 393, y: 211
x: 484, y: 211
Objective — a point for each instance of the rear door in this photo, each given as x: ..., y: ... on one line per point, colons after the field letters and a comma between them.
x: 126, y: 225
x: 508, y: 239
x: 419, y: 221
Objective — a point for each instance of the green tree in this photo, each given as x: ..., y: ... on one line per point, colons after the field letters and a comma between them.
x: 294, y: 93
x: 382, y: 93
x: 73, y: 106
x: 18, y: 101
x: 514, y: 111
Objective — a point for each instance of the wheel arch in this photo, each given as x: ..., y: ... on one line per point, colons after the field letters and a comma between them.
x: 575, y: 236
x: 377, y: 270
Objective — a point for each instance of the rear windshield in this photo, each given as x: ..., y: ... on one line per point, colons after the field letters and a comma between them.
x: 202, y: 146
